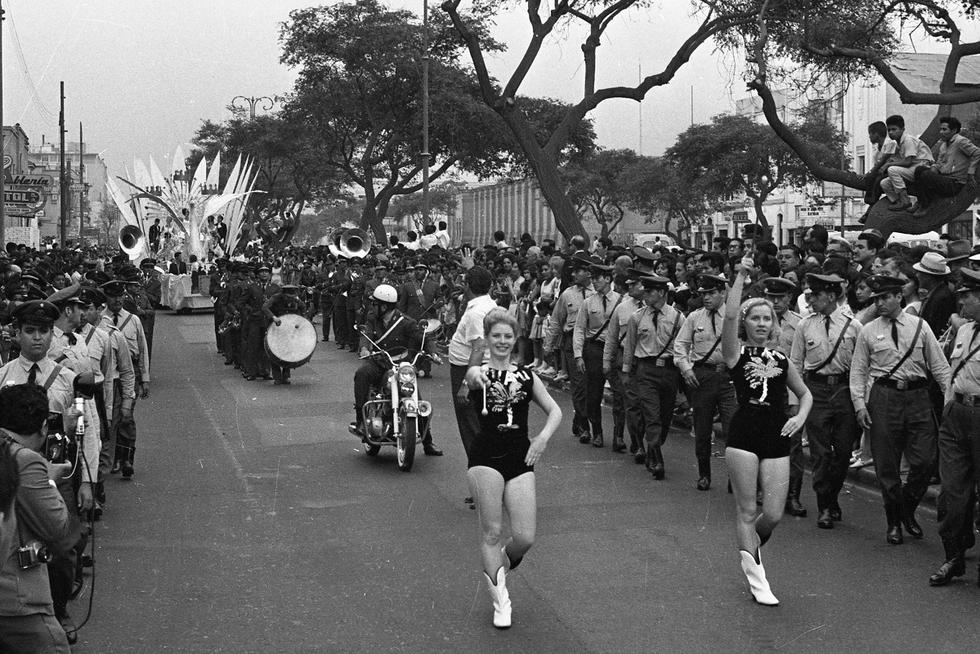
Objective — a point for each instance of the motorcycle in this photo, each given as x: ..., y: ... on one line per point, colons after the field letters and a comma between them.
x: 395, y: 415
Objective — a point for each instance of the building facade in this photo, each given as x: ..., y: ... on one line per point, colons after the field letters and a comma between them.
x: 87, y: 175
x: 22, y: 198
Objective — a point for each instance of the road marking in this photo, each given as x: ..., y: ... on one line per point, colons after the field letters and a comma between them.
x: 229, y: 450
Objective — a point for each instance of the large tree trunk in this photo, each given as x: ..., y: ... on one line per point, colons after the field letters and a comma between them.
x: 546, y: 171
x: 941, y: 212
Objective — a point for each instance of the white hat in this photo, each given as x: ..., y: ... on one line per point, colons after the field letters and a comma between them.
x: 932, y: 263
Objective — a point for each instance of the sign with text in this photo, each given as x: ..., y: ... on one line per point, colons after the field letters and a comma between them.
x: 23, y: 199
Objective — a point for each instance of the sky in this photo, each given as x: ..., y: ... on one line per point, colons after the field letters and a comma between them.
x: 141, y: 75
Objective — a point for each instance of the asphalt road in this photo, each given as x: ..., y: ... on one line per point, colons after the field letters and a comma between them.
x: 255, y: 523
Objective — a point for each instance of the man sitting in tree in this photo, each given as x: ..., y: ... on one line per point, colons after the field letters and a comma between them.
x: 955, y: 166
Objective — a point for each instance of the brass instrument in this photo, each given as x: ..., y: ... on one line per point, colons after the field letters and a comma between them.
x: 352, y: 243
x: 132, y: 241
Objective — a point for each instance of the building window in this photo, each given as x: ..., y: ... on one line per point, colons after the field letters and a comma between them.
x: 860, y: 165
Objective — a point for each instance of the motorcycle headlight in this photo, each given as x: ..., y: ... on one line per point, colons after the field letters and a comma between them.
x: 407, y: 389
x: 406, y: 374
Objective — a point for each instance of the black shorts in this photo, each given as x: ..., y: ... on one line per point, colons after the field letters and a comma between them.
x: 757, y: 430
x: 504, y: 456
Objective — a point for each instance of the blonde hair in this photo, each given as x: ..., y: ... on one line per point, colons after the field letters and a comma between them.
x: 747, y: 308
x: 500, y: 316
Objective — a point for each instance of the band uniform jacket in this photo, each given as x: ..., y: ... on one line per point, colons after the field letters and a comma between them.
x: 417, y: 300
x: 282, y: 303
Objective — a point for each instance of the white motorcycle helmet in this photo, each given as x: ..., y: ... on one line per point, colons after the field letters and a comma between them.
x: 385, y: 293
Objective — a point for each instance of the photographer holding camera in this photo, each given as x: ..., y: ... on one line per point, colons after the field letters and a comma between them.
x: 34, y: 323
x: 41, y: 525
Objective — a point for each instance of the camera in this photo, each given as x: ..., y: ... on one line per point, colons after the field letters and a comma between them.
x: 32, y: 555
x: 59, y: 447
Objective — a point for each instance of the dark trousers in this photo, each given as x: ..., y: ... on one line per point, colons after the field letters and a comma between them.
x: 595, y: 384
x: 62, y: 568
x: 831, y: 428
x: 466, y: 419
x: 873, y: 190
x: 715, y: 393
x: 618, y: 387
x: 256, y: 362
x: 931, y: 184
x: 902, y: 423
x: 353, y: 320
x: 233, y: 346
x: 634, y: 411
x: 279, y: 373
x: 580, y: 418
x: 341, y: 329
x: 326, y: 310
x: 657, y: 391
x: 368, y: 375
x: 149, y: 321
x: 32, y: 633
x: 959, y: 467
x: 219, y: 317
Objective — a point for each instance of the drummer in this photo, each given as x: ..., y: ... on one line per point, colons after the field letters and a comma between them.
x: 281, y: 303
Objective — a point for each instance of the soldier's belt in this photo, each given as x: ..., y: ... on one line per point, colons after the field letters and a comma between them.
x: 656, y: 362
x: 717, y: 367
x: 902, y: 385
x: 826, y: 380
x: 968, y: 400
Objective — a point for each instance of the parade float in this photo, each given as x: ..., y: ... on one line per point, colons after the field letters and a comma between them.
x: 188, y: 205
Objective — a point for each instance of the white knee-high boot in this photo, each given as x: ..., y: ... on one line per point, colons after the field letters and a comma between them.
x: 501, y: 598
x: 756, y: 575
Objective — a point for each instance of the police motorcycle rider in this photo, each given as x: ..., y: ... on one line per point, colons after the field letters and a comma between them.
x: 388, y: 328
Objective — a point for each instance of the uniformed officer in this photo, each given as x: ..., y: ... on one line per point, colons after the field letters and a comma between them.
x: 279, y: 304
x: 782, y: 293
x: 325, y: 284
x: 822, y: 351
x: 588, y: 342
x: 563, y: 324
x: 124, y: 430
x: 340, y: 283
x: 697, y: 354
x: 256, y: 361
x: 623, y: 393
x: 959, y: 437
x: 893, y: 358
x: 418, y: 298
x: 355, y: 302
x: 648, y: 354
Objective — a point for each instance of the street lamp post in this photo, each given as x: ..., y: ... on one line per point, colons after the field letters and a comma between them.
x: 252, y: 101
x: 425, y: 112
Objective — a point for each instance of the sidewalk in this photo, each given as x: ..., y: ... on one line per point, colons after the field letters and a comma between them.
x: 864, y: 477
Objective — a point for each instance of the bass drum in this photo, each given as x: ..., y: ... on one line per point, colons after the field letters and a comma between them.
x: 292, y: 343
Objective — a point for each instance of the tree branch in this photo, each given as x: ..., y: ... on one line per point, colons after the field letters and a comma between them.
x: 490, y: 96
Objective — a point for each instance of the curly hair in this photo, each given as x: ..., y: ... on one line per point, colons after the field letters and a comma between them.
x: 747, y: 308
x: 500, y: 316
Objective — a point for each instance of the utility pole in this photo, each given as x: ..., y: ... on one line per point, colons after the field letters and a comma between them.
x: 425, y: 112
x: 3, y: 149
x: 81, y: 184
x: 843, y: 152
x: 63, y: 186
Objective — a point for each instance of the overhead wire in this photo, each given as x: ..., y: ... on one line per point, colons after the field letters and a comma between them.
x: 35, y: 98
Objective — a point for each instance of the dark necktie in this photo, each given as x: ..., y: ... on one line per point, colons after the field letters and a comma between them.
x: 895, y: 331
x: 604, y: 305
x: 32, y: 375
x: 656, y: 314
x: 71, y: 339
x: 115, y: 318
x: 711, y: 315
x: 826, y: 325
